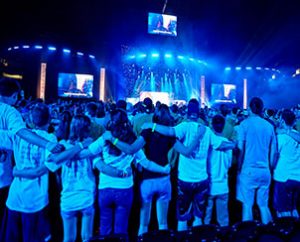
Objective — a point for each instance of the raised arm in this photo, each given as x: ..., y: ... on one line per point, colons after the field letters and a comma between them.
x: 188, y: 150
x: 35, y: 139
x: 164, y: 130
x: 126, y: 148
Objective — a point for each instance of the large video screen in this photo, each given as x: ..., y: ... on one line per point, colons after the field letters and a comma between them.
x: 223, y: 93
x: 162, y: 24
x: 75, y: 85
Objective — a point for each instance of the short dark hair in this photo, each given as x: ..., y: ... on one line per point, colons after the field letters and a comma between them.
x: 218, y: 123
x: 122, y: 104
x: 40, y: 114
x: 9, y: 86
x: 256, y: 105
x: 193, y: 108
x: 289, y: 117
x: 91, y: 108
x: 162, y: 116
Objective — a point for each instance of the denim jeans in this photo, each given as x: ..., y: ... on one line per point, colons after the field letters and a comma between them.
x: 115, y: 205
x: 221, y: 203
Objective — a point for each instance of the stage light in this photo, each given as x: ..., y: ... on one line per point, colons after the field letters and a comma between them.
x: 267, y: 68
x: 66, y: 51
x: 25, y: 46
x: 131, y: 57
x: 248, y: 68
x: 52, y: 48
x: 273, y: 76
x: 168, y: 56
x: 9, y: 49
x: 180, y: 57
x: 258, y: 68
x: 16, y: 47
x: 227, y: 68
x: 191, y: 59
x: 142, y: 55
x: 155, y: 55
x: 38, y: 47
x: 238, y: 68
x: 79, y: 53
x: 92, y: 56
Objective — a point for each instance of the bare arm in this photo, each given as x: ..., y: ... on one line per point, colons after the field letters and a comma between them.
x: 227, y: 145
x: 273, y: 155
x: 241, y: 147
x: 164, y: 130
x: 188, y: 150
x: 112, y: 171
x: 35, y: 139
x: 30, y: 173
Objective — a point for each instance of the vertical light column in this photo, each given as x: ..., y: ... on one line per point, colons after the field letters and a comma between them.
x: 102, y: 84
x: 245, y: 96
x: 202, y: 90
x: 41, y: 88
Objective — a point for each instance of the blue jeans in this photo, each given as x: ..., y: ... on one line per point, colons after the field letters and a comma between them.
x: 115, y: 205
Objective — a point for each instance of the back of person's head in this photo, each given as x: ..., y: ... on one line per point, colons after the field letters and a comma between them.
x: 256, y: 105
x: 289, y: 117
x: 122, y: 104
x: 120, y: 128
x: 100, y: 110
x: 9, y: 86
x: 40, y: 115
x: 91, y: 109
x: 193, y: 109
x: 174, y: 108
x: 148, y: 104
x: 270, y: 112
x: 162, y: 116
x: 80, y: 127
x: 218, y: 123
x: 224, y: 109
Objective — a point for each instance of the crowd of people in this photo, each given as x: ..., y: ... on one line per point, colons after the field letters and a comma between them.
x: 184, y: 160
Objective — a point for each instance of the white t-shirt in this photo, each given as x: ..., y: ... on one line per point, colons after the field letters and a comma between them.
x: 78, y: 183
x: 218, y: 164
x: 121, y: 162
x: 194, y: 169
x: 288, y: 164
x: 258, y: 135
x: 11, y: 120
x: 28, y: 195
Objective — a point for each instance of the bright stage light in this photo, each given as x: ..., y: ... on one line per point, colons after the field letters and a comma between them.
x: 168, y: 56
x: 92, y: 56
x: 25, y: 46
x: 9, y: 49
x: 66, y: 51
x: 180, y: 57
x: 38, y: 47
x: 248, y: 68
x: 238, y: 68
x: 227, y: 68
x: 155, y: 55
x: 79, y: 53
x: 16, y: 47
x: 52, y: 48
x: 258, y: 68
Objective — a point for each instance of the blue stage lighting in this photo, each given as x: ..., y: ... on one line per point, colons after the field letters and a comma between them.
x: 16, y: 47
x: 66, y: 51
x: 131, y: 57
x: 227, y: 68
x: 258, y: 68
x: 142, y: 55
x: 266, y: 68
x: 52, y: 48
x: 248, y: 68
x: 191, y: 59
x: 155, y: 55
x: 38, y: 47
x: 25, y: 46
x: 180, y: 57
x: 238, y: 68
x: 168, y: 56
x: 92, y: 56
x: 9, y: 49
x: 79, y: 53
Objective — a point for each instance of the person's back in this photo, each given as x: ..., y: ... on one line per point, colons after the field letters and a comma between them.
x: 257, y: 149
x: 258, y: 134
